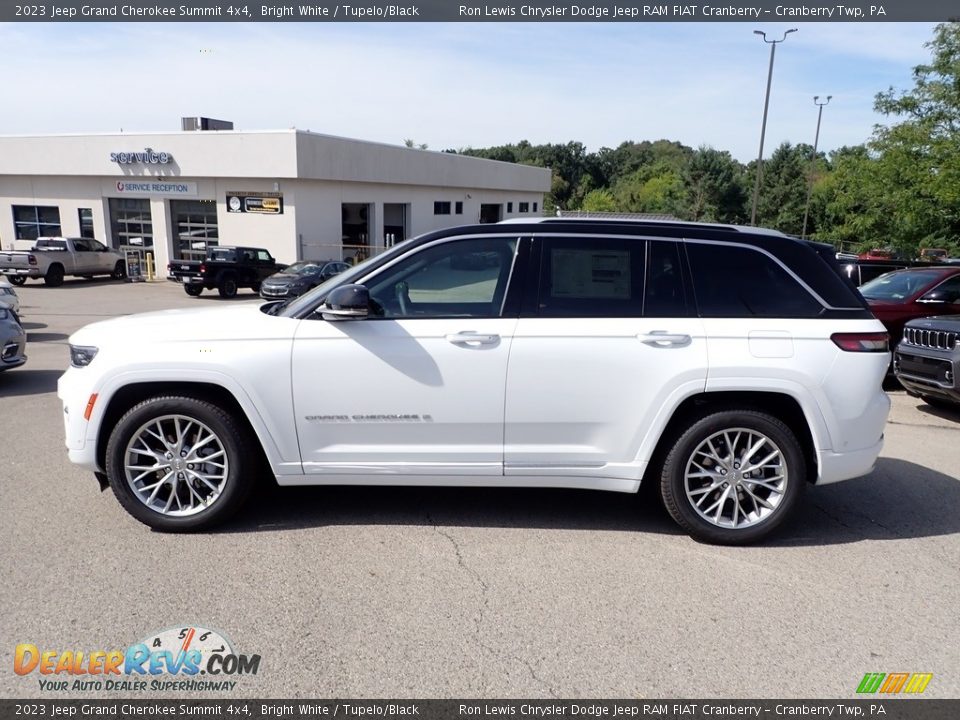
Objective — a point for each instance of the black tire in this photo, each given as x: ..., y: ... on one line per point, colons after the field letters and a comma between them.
x: 119, y: 271
x: 241, y: 461
x: 227, y: 287
x: 54, y: 276
x: 683, y: 509
x: 193, y: 290
x: 17, y: 279
x: 256, y: 287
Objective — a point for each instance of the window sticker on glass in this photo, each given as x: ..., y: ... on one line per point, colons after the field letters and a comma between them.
x: 580, y: 273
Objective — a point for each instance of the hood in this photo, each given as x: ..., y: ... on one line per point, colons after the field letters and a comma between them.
x: 947, y: 323
x: 286, y: 279
x: 237, y: 321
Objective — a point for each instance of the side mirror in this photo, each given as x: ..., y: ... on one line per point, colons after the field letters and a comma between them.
x: 347, y: 302
x: 940, y: 297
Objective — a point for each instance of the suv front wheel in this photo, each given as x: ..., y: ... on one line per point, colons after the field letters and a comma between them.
x: 733, y: 476
x: 179, y: 463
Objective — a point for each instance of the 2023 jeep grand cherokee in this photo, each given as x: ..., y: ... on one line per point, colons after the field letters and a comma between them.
x: 730, y: 367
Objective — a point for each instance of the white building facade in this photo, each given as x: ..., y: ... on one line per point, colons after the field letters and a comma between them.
x: 298, y: 194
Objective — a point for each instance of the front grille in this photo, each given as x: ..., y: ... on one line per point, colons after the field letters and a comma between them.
x: 274, y: 292
x: 936, y: 339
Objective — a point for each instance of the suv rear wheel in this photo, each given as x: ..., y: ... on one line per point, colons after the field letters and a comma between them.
x: 733, y: 476
x: 227, y: 287
x: 179, y: 464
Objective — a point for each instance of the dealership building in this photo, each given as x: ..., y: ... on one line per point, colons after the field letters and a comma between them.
x: 301, y: 195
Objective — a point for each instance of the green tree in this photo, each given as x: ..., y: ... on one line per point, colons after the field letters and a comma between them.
x: 715, y: 190
x: 601, y: 200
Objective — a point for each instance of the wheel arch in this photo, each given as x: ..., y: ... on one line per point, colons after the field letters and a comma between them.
x: 778, y: 404
x: 131, y: 394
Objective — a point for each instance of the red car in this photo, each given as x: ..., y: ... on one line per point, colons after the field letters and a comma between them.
x: 903, y: 295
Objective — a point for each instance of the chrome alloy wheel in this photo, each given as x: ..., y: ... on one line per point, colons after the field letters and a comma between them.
x: 736, y: 478
x: 176, y: 465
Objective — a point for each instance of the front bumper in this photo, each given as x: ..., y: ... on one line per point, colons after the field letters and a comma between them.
x: 928, y: 371
x: 276, y: 293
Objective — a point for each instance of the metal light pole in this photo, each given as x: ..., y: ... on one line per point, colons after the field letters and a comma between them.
x: 813, y: 159
x: 763, y: 127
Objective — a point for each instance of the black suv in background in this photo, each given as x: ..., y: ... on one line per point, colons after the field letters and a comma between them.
x: 927, y: 361
x: 861, y: 272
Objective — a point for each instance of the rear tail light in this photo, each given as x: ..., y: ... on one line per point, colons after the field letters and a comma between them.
x: 32, y: 259
x: 203, y: 268
x: 862, y: 342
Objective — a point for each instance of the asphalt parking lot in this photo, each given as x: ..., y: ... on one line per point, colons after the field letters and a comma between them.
x: 381, y: 592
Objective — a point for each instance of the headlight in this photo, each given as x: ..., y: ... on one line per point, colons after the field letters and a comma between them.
x: 81, y: 356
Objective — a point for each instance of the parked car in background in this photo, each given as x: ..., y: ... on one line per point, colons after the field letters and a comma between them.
x: 903, y: 295
x: 933, y: 254
x: 54, y: 258
x: 927, y: 361
x: 13, y: 340
x: 225, y: 268
x: 8, y: 296
x: 299, y: 277
x: 570, y: 354
x: 877, y: 254
x: 863, y: 271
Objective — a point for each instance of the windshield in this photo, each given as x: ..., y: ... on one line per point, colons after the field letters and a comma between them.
x: 298, y: 305
x: 304, y: 267
x: 898, y: 286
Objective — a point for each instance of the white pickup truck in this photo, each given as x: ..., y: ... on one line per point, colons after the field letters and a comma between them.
x: 53, y: 258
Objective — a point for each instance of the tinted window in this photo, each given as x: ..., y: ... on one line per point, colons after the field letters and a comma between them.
x: 463, y: 278
x: 80, y: 245
x: 737, y: 281
x: 948, y: 292
x: 591, y: 277
x: 664, y: 288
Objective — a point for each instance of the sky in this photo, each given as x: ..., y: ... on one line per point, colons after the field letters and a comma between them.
x: 458, y: 85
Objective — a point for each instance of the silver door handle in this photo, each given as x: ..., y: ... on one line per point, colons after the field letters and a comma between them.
x: 472, y: 338
x: 663, y: 339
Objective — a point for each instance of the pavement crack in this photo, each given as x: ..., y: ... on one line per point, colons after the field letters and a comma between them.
x: 481, y: 613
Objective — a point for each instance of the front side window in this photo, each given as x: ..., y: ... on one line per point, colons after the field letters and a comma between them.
x: 948, y: 291
x: 732, y: 281
x: 591, y: 277
x: 264, y: 256
x: 462, y: 278
x: 33, y: 221
x: 82, y: 245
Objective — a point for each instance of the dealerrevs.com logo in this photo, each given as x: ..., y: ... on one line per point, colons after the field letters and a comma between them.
x: 189, y: 658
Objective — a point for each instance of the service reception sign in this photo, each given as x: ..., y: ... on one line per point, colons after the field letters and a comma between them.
x: 261, y: 203
x: 156, y: 188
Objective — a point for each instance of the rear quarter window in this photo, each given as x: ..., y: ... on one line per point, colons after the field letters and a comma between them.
x: 738, y: 281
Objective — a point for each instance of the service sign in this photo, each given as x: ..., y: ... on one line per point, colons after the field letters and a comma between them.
x: 263, y: 203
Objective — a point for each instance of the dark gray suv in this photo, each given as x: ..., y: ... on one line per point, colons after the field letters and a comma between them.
x: 927, y: 361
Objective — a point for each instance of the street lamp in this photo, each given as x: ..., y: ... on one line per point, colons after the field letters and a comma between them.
x: 813, y: 159
x: 763, y: 127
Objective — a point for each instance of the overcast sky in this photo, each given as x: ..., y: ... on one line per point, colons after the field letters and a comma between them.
x: 458, y: 85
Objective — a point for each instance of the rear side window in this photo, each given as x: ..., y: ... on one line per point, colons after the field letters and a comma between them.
x: 737, y: 281
x: 591, y: 277
x: 664, y: 289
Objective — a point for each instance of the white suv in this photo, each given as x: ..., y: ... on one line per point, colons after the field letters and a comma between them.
x: 730, y: 367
